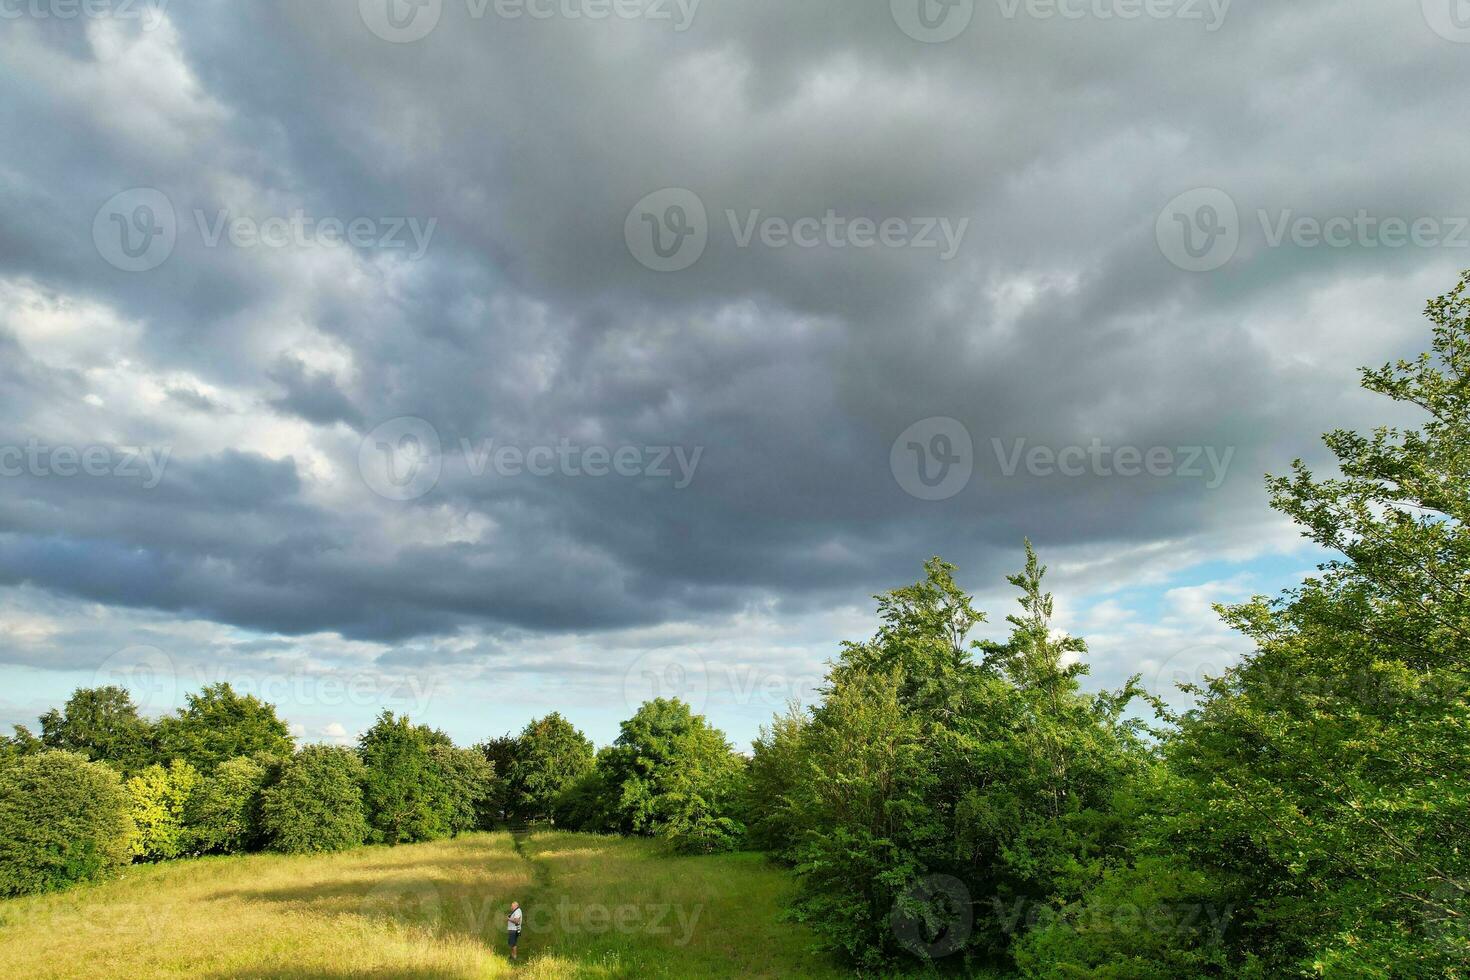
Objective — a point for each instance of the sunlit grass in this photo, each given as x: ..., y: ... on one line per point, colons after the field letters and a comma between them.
x: 595, y: 907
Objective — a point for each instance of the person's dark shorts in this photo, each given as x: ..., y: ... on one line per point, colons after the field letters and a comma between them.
x: 514, y: 936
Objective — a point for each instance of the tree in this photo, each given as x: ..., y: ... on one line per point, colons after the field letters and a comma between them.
x: 317, y: 804
x: 403, y: 789
x: 218, y: 724
x: 159, y: 797
x: 670, y: 773
x: 500, y: 753
x: 222, y: 815
x: 550, y: 755
x: 21, y: 743
x: 469, y: 787
x: 1319, y: 789
x: 102, y: 724
x: 778, y: 765
x: 930, y: 791
x: 63, y: 820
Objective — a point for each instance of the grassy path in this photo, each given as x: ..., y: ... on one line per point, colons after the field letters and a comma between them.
x: 595, y: 907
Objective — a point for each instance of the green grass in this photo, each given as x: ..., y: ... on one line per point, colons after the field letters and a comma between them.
x: 594, y: 907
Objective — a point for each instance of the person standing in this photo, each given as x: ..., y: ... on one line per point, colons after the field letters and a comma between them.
x: 513, y: 923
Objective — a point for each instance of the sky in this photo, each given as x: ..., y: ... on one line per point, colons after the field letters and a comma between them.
x: 481, y: 358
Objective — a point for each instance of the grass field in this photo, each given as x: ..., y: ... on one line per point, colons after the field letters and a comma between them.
x: 594, y: 907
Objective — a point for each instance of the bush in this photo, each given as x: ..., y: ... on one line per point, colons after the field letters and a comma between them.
x: 158, y: 797
x: 62, y: 820
x: 317, y: 804
x: 223, y: 812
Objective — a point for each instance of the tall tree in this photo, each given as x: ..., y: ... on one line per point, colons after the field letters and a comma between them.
x: 218, y: 724
x: 550, y: 755
x: 102, y: 724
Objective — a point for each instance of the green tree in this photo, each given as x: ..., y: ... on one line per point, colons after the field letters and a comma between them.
x: 403, y: 789
x: 317, y: 803
x: 223, y: 813
x: 778, y: 766
x: 500, y: 753
x: 1319, y: 789
x: 159, y: 797
x: 932, y: 791
x: 22, y: 742
x: 671, y: 773
x: 102, y: 724
x: 549, y: 756
x: 468, y: 788
x: 63, y: 820
x: 218, y: 724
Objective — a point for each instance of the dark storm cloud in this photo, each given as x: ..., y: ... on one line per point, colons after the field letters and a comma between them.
x: 528, y: 322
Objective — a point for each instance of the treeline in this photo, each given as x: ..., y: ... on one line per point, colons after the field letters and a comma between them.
x: 957, y: 804
x: 102, y: 786
x: 969, y: 804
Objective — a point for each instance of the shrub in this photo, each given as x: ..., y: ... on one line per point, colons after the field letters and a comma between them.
x: 223, y: 812
x: 158, y: 797
x: 317, y: 804
x: 62, y: 820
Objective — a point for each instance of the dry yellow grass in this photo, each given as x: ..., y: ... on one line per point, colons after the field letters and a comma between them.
x: 596, y: 907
